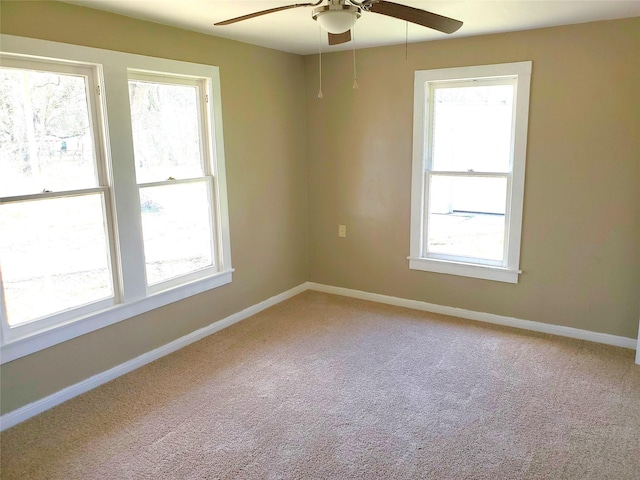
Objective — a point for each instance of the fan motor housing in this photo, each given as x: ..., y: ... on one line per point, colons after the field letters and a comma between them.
x: 340, y: 19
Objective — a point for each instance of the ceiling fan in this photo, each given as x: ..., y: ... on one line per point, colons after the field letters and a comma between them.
x: 339, y: 16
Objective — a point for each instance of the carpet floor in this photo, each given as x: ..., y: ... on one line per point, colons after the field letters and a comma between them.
x: 326, y: 387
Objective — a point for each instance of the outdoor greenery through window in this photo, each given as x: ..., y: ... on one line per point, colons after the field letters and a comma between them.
x: 468, y: 170
x: 112, y: 189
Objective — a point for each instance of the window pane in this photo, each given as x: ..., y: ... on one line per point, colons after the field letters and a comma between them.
x: 45, y: 133
x: 176, y: 225
x: 166, y: 134
x: 472, y: 128
x: 467, y: 216
x: 53, y: 255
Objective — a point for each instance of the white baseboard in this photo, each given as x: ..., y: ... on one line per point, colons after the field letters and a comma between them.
x: 482, y: 317
x: 21, y: 414
x: 638, y: 346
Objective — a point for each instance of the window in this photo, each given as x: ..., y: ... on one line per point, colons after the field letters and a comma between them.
x: 470, y: 129
x: 173, y: 173
x: 112, y: 189
x: 54, y: 248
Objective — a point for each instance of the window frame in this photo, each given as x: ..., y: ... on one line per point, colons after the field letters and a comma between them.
x: 419, y: 259
x: 132, y: 296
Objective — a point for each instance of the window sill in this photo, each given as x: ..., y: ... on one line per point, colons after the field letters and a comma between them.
x: 485, y: 272
x: 20, y: 347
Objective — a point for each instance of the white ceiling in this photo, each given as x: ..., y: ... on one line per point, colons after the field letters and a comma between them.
x: 295, y: 31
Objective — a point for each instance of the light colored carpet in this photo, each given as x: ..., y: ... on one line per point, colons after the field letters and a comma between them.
x: 322, y: 386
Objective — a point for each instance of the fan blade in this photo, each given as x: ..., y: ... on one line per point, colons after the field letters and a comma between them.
x: 262, y: 12
x: 415, y: 15
x: 337, y: 39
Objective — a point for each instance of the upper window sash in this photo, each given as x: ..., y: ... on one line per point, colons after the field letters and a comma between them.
x: 431, y: 89
x: 203, y: 93
x: 91, y: 74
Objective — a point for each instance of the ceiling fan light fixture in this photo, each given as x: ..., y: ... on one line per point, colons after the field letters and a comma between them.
x: 336, y: 18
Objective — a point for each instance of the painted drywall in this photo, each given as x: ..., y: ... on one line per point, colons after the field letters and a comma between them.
x: 581, y: 224
x: 264, y: 129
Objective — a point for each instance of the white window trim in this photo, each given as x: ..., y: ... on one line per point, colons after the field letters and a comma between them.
x: 135, y: 299
x: 417, y: 260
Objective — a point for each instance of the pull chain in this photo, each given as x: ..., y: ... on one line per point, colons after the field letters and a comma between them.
x: 406, y: 41
x: 320, y: 95
x: 353, y: 45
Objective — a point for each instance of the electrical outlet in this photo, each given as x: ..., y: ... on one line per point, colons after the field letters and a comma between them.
x: 342, y: 231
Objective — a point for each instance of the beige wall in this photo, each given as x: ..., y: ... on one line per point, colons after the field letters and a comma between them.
x: 582, y: 207
x: 581, y: 225
x: 264, y: 128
